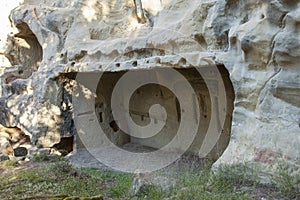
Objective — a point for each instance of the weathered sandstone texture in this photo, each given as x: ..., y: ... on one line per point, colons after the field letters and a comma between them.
x: 255, y: 44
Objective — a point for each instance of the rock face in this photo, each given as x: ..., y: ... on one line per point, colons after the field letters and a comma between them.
x: 254, y: 44
x: 6, y: 7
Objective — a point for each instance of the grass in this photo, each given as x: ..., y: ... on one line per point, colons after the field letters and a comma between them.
x: 287, y: 185
x: 116, y: 184
x: 60, y: 178
x: 46, y: 157
x: 204, y: 185
x: 57, y: 180
x: 10, y: 163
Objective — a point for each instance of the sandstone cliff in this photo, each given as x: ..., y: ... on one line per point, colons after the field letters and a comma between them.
x: 258, y: 42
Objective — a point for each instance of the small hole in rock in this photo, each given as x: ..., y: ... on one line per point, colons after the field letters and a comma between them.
x: 134, y: 63
x: 72, y: 63
x: 182, y: 61
x: 65, y: 145
x: 117, y: 64
x: 157, y: 60
x: 114, y: 126
x: 20, y: 71
x: 100, y: 117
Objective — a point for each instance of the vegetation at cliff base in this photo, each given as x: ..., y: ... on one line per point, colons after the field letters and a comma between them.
x: 57, y: 179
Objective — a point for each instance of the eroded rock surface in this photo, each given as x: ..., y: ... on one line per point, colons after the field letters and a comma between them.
x: 258, y: 42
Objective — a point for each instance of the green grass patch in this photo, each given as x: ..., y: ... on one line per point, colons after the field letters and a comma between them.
x: 58, y: 180
x: 287, y: 185
x: 44, y: 157
x: 62, y: 178
x: 10, y: 163
x: 116, y: 184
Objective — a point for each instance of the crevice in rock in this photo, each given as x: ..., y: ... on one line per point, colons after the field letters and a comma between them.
x: 140, y: 11
x: 271, y: 58
x: 66, y: 81
x: 264, y: 86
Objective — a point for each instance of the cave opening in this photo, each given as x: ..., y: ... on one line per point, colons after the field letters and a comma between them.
x: 24, y: 52
x: 147, y: 95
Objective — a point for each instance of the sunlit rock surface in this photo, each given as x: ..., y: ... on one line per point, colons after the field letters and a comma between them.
x: 258, y: 42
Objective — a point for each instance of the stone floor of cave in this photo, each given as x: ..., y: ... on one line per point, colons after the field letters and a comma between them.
x: 83, y: 158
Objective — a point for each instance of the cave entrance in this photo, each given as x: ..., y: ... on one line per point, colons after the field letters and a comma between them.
x: 147, y: 95
x: 24, y: 52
